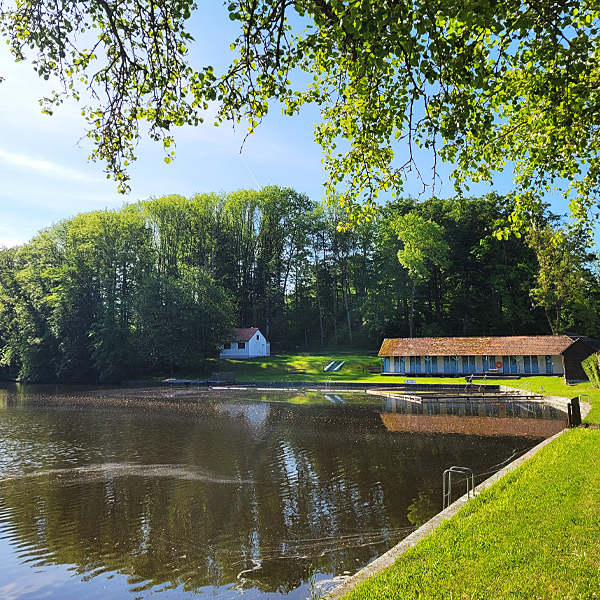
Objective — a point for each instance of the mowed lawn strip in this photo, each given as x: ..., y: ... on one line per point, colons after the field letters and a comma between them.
x: 534, y: 534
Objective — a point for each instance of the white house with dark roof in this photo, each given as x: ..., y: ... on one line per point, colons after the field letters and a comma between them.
x: 246, y: 342
x: 515, y: 355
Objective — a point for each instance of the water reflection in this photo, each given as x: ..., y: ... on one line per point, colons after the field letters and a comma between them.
x: 138, y: 497
x: 485, y: 419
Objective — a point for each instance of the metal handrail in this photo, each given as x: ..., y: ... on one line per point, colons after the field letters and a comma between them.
x: 447, y: 493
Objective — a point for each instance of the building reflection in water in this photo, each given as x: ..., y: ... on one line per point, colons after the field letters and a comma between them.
x: 473, y: 418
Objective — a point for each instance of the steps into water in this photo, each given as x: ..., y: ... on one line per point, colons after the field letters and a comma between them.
x: 334, y: 366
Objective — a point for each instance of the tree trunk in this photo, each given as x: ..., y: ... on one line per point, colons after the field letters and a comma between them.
x: 318, y: 296
x: 436, y: 290
x: 412, y: 309
x: 345, y: 283
x: 335, y: 307
x: 267, y: 316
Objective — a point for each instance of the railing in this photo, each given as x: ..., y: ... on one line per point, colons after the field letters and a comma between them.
x: 525, y: 386
x: 447, y: 489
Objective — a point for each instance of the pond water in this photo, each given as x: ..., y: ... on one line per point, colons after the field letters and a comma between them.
x: 132, y: 493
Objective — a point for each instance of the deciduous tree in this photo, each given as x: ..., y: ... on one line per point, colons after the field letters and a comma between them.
x: 485, y: 85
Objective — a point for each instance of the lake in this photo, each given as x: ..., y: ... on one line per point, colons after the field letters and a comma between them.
x: 134, y: 493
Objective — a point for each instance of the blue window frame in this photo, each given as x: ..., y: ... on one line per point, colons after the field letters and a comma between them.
x: 472, y: 365
x: 446, y: 364
x: 513, y: 364
x: 505, y: 364
x: 412, y: 364
x: 454, y: 364
x: 418, y: 363
x: 484, y: 363
x: 465, y: 364
x: 386, y: 364
x: 396, y: 364
x: 549, y: 364
x: 527, y: 364
x: 534, y: 364
x: 434, y: 364
x: 403, y: 364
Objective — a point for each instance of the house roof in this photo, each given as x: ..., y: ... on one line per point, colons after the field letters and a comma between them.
x: 242, y: 335
x: 479, y: 346
x: 592, y: 343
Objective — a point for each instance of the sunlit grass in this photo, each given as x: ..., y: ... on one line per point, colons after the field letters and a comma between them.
x: 534, y: 534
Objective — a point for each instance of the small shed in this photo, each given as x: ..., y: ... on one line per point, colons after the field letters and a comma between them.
x: 247, y: 342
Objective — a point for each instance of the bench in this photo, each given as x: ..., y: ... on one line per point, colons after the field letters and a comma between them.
x: 375, y: 369
x: 222, y: 377
x: 493, y: 371
x: 297, y: 371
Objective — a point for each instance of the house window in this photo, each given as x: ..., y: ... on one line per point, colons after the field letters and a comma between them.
x: 527, y: 364
x: 412, y: 364
x: 257, y: 336
x: 549, y: 364
x: 454, y: 364
x: 396, y: 364
x: 434, y: 364
x: 241, y: 345
x: 227, y: 346
x: 505, y: 364
x: 468, y: 364
x: 446, y: 364
x: 418, y: 363
x: 403, y: 364
x: 513, y: 364
x: 534, y: 364
x: 484, y: 363
x: 386, y: 364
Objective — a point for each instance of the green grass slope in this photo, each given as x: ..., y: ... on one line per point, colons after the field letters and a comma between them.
x: 534, y: 534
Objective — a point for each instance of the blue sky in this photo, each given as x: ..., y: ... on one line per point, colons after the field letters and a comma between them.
x: 45, y: 176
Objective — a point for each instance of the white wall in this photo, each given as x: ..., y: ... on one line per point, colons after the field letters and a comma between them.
x: 256, y: 346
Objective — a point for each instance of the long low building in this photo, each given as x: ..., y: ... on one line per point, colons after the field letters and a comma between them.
x: 524, y: 355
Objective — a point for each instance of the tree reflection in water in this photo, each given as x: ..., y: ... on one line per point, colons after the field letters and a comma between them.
x: 230, y: 495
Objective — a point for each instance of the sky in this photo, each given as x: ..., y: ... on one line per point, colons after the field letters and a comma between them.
x: 45, y: 176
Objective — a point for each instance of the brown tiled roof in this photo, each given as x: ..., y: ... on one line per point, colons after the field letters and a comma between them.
x: 479, y: 346
x: 242, y: 335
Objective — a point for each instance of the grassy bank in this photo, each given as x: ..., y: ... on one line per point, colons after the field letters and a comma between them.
x: 295, y: 367
x: 535, y: 534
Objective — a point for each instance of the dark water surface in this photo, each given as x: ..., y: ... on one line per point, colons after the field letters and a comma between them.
x: 132, y: 493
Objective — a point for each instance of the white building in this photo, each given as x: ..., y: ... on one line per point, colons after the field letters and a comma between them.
x: 246, y: 343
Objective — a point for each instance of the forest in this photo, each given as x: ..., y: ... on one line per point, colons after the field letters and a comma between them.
x: 156, y: 285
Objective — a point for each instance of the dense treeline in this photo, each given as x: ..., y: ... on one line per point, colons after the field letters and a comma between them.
x: 157, y: 284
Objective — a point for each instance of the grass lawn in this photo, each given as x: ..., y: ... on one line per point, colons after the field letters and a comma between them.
x: 534, y: 534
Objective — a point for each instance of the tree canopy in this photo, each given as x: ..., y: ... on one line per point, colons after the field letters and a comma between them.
x: 157, y: 285
x: 484, y: 84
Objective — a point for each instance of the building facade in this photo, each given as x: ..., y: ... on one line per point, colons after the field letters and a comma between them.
x: 247, y: 342
x: 515, y: 355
